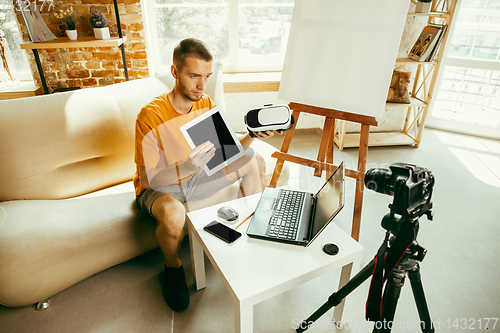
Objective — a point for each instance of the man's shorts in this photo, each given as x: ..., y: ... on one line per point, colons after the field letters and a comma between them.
x: 199, y: 186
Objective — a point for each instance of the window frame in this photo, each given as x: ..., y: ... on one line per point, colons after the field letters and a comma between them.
x: 234, y: 66
x: 26, y: 75
x: 466, y: 62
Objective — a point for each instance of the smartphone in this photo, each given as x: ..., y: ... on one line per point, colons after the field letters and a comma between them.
x: 222, y: 231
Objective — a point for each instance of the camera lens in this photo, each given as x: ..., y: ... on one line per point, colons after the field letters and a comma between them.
x: 378, y: 180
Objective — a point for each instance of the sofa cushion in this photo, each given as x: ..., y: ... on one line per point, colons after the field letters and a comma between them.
x: 48, y: 245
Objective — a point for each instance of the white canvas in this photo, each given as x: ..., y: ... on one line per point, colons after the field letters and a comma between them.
x: 341, y: 54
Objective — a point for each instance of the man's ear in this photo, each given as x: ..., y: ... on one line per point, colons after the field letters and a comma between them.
x: 173, y: 70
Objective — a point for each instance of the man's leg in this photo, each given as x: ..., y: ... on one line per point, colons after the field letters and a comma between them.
x: 171, y: 215
x: 246, y: 168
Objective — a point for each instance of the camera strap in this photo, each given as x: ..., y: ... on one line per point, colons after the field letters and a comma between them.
x: 385, y: 262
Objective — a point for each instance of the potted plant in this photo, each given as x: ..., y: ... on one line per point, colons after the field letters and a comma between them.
x: 423, y: 6
x: 68, y: 17
x: 99, y: 23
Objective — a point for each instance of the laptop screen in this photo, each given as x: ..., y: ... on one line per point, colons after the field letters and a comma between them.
x: 330, y: 200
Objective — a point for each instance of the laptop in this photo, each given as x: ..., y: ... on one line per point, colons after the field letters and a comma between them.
x: 297, y: 217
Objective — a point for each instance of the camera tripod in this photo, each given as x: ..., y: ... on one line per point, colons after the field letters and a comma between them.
x: 406, y: 264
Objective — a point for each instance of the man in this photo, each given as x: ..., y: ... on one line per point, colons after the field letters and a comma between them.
x: 170, y: 173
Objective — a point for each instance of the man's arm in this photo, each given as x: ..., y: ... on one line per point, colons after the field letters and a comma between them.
x: 153, y: 178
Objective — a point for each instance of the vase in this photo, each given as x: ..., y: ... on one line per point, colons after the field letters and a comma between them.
x: 422, y: 7
x: 101, y: 33
x: 72, y: 34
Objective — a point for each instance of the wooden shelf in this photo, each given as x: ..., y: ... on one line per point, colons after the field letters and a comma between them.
x: 254, y: 86
x: 20, y: 90
x: 413, y: 62
x: 413, y: 102
x: 85, y: 41
x: 64, y: 42
x: 251, y: 82
x: 430, y: 14
x: 376, y: 139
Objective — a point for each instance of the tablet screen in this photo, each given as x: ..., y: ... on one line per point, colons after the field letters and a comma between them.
x: 213, y: 127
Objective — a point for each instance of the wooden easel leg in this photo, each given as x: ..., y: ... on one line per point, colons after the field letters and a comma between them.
x: 331, y: 147
x: 284, y: 148
x: 360, y: 185
x: 325, y: 142
x: 276, y: 173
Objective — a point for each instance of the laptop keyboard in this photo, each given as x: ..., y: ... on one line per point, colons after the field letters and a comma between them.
x: 285, y: 222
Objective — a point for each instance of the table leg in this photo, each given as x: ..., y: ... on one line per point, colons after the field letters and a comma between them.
x: 197, y: 261
x: 243, y: 317
x: 345, y: 275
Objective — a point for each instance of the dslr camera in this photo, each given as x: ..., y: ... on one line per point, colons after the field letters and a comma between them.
x: 410, y: 185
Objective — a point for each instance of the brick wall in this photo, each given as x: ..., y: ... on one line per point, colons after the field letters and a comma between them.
x: 89, y: 66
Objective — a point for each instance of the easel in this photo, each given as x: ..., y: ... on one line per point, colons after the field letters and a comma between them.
x: 326, y: 153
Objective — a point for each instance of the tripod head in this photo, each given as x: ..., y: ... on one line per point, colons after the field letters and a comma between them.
x: 393, y: 225
x: 410, y: 185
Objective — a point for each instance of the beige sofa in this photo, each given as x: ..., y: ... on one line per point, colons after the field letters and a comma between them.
x: 67, y: 204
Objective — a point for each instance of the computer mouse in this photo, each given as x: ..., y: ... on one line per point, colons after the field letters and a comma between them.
x: 227, y: 213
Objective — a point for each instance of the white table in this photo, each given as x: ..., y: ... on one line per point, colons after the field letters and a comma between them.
x: 254, y: 270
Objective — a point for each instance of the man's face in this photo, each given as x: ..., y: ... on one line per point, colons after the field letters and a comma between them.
x: 192, y: 79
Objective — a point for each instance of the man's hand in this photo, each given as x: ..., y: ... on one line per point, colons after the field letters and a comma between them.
x: 199, y: 156
x: 267, y: 134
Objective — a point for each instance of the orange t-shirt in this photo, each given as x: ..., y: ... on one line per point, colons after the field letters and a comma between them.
x: 159, y: 142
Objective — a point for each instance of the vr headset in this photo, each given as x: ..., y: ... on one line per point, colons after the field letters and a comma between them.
x: 267, y: 118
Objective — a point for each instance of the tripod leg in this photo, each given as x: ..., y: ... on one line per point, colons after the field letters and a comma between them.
x: 390, y: 300
x: 418, y: 293
x: 338, y: 296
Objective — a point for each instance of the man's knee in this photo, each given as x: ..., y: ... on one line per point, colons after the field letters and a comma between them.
x: 261, y: 164
x: 253, y: 161
x: 170, y: 215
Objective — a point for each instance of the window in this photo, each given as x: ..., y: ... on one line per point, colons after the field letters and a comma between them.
x: 245, y: 35
x: 468, y: 99
x: 16, y: 58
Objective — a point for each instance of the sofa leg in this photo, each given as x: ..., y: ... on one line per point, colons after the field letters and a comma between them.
x: 41, y: 305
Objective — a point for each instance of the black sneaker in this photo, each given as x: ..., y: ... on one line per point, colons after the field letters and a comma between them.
x: 176, y: 290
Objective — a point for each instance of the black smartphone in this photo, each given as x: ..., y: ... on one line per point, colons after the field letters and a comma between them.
x: 222, y: 231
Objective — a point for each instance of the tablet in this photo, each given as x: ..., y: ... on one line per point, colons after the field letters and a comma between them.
x: 213, y: 126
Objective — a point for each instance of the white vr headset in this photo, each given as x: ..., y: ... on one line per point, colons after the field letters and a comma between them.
x: 267, y: 118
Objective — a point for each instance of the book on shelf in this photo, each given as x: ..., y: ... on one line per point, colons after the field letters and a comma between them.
x: 37, y: 29
x: 442, y: 32
x: 427, y: 44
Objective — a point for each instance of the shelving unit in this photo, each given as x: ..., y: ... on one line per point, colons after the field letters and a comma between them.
x: 420, y: 96
x: 64, y: 42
